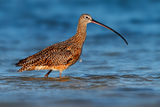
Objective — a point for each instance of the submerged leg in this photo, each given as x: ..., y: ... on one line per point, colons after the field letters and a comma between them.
x: 60, y: 73
x: 48, y: 73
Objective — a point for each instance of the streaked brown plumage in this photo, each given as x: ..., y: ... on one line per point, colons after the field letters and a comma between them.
x: 60, y: 56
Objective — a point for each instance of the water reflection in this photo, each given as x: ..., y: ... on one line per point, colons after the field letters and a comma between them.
x: 59, y: 79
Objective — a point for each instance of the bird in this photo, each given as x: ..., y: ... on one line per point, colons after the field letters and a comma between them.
x: 60, y: 56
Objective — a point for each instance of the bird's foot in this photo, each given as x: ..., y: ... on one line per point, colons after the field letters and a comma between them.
x: 46, y: 76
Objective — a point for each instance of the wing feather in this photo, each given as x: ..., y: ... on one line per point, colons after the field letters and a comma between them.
x: 52, y: 55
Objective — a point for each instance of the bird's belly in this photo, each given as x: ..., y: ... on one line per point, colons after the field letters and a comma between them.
x: 54, y: 68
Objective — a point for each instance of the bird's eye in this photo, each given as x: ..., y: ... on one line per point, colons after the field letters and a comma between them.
x: 86, y: 17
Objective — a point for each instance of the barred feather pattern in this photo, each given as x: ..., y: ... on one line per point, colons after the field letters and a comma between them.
x: 54, y: 55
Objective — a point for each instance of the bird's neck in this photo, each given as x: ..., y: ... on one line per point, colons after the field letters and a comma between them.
x: 80, y: 35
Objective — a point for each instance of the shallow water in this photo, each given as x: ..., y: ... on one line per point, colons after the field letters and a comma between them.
x: 111, y: 73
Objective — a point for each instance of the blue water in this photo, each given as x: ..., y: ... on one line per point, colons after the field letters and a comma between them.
x: 111, y: 73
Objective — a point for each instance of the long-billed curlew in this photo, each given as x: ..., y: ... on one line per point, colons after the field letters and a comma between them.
x: 60, y: 56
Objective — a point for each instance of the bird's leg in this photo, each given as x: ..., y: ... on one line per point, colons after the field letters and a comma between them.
x: 48, y: 73
x: 60, y: 73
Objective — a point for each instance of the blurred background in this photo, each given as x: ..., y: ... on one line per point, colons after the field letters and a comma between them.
x: 111, y: 73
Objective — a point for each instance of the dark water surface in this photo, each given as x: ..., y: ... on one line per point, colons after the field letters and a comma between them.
x: 110, y: 74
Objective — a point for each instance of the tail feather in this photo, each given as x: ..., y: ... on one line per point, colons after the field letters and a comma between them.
x: 21, y: 69
x: 21, y: 62
x: 25, y: 68
x: 17, y: 64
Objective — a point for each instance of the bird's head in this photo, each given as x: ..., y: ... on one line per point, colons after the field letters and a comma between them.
x: 86, y: 18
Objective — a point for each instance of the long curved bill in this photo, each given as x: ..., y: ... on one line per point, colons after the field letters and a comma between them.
x: 96, y: 22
